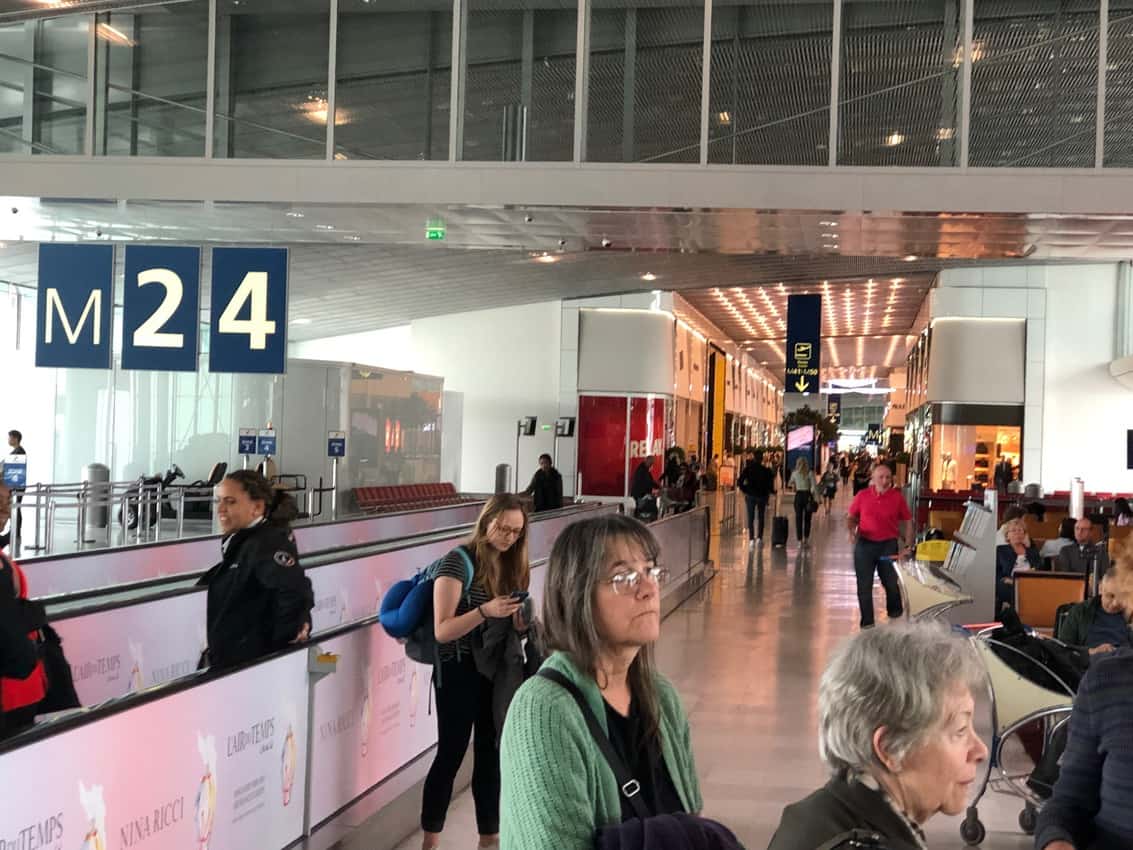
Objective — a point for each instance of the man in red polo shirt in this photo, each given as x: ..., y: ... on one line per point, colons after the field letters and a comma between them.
x: 880, y: 528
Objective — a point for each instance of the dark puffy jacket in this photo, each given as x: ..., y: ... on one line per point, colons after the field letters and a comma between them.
x: 258, y: 596
x: 756, y: 481
x: 668, y: 832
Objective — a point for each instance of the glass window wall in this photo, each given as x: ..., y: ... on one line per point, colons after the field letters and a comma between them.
x: 770, y: 85
x: 646, y: 66
x: 1034, y: 83
x: 151, y: 73
x: 519, y: 89
x: 899, y: 102
x: 394, y: 78
x: 43, y: 96
x: 271, y: 80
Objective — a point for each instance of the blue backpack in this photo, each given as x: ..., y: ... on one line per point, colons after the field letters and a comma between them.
x: 407, y: 610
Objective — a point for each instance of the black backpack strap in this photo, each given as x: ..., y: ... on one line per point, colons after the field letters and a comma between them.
x: 630, y: 788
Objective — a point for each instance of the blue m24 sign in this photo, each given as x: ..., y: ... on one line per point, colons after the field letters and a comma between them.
x: 73, y: 329
x: 160, y: 308
x: 248, y: 329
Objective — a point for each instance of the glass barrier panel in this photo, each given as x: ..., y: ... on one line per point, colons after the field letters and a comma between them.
x: 1034, y: 84
x: 271, y: 80
x: 646, y: 65
x: 770, y: 86
x: 393, y: 79
x: 151, y: 69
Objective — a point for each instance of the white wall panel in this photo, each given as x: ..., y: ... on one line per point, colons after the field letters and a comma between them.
x: 628, y: 351
x: 387, y: 348
x: 977, y: 361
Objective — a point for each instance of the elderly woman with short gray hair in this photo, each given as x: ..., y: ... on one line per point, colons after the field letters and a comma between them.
x: 895, y: 727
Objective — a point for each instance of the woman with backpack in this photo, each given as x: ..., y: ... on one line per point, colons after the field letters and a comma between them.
x: 599, y: 720
x: 500, y: 575
x: 259, y: 599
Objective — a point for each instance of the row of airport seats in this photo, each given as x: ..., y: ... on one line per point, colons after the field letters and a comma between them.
x: 400, y: 497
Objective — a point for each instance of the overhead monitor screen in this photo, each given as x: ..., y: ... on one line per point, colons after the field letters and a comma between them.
x: 800, y: 437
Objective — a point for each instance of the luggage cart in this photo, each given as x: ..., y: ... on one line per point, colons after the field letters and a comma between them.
x: 1016, y: 702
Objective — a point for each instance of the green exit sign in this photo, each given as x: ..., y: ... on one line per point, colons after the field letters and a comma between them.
x: 435, y: 229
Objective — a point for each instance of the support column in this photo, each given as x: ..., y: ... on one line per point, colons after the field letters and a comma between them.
x: 582, y: 81
x: 459, y: 76
x: 224, y: 88
x: 1123, y: 338
x: 949, y: 91
x: 835, y: 82
x: 629, y: 84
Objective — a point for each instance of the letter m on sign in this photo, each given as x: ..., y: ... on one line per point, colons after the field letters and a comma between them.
x: 75, y: 300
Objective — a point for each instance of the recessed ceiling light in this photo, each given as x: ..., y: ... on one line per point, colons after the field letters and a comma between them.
x: 293, y: 214
x: 894, y: 139
x: 909, y: 258
x: 649, y: 276
x: 546, y: 258
x: 300, y: 322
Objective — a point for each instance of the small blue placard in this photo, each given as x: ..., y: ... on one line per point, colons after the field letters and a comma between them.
x: 336, y: 444
x: 248, y: 329
x: 247, y: 441
x: 160, y: 313
x: 16, y: 471
x: 265, y: 443
x: 76, y: 295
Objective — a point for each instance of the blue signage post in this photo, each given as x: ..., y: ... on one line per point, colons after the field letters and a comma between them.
x: 16, y: 471
x: 336, y: 444
x: 247, y: 444
x: 265, y: 442
x: 248, y: 327
x: 804, y: 338
x: 76, y: 294
x: 160, y: 308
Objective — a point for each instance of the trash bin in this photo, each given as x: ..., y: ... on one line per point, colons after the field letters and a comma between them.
x: 503, y: 477
x: 97, y: 476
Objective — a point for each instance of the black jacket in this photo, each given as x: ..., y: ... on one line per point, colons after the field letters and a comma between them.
x: 643, y: 483
x: 835, y: 809
x: 756, y: 481
x: 258, y: 596
x: 547, y: 490
x: 18, y: 655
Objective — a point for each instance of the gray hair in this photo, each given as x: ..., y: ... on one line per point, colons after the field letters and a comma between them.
x: 896, y: 676
x: 575, y: 570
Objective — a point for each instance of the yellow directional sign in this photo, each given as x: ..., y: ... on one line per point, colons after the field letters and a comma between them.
x: 801, y: 385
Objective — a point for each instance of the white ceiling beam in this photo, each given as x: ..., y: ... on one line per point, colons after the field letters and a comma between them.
x: 1003, y: 190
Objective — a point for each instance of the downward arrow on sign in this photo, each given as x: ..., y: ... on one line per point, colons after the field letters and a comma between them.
x: 801, y: 385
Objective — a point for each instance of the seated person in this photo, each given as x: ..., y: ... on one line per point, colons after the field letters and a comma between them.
x: 1100, y: 624
x: 1084, y: 553
x: 1092, y: 805
x: 1011, y: 514
x: 895, y: 727
x: 1051, y: 548
x: 1017, y: 553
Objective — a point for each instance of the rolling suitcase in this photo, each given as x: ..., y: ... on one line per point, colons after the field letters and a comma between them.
x: 779, y: 531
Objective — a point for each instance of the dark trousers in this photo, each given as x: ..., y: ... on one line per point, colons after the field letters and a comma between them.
x: 464, y: 702
x: 802, y: 515
x: 871, y: 556
x: 755, y: 506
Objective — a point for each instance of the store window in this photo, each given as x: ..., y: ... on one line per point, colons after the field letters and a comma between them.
x: 968, y: 455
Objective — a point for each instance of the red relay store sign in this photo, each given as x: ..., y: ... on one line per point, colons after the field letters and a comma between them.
x: 605, y: 443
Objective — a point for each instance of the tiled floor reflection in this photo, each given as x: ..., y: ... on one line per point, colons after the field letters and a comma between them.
x: 746, y: 655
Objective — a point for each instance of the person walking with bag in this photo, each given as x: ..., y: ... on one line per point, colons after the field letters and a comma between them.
x: 757, y: 483
x: 805, y: 486
x: 596, y: 750
x: 501, y: 575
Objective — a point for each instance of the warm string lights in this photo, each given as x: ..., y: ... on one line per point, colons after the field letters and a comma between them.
x: 863, y: 320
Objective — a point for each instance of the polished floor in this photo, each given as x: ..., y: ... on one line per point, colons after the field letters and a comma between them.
x: 746, y: 654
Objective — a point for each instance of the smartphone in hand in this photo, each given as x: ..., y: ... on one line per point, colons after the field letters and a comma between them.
x: 520, y: 595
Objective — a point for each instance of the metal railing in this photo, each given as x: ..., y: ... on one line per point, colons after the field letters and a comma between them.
x: 139, y: 512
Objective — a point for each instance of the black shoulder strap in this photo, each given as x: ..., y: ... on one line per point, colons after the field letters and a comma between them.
x: 630, y: 787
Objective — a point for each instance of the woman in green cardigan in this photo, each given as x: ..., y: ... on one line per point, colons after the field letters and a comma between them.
x: 602, y: 615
